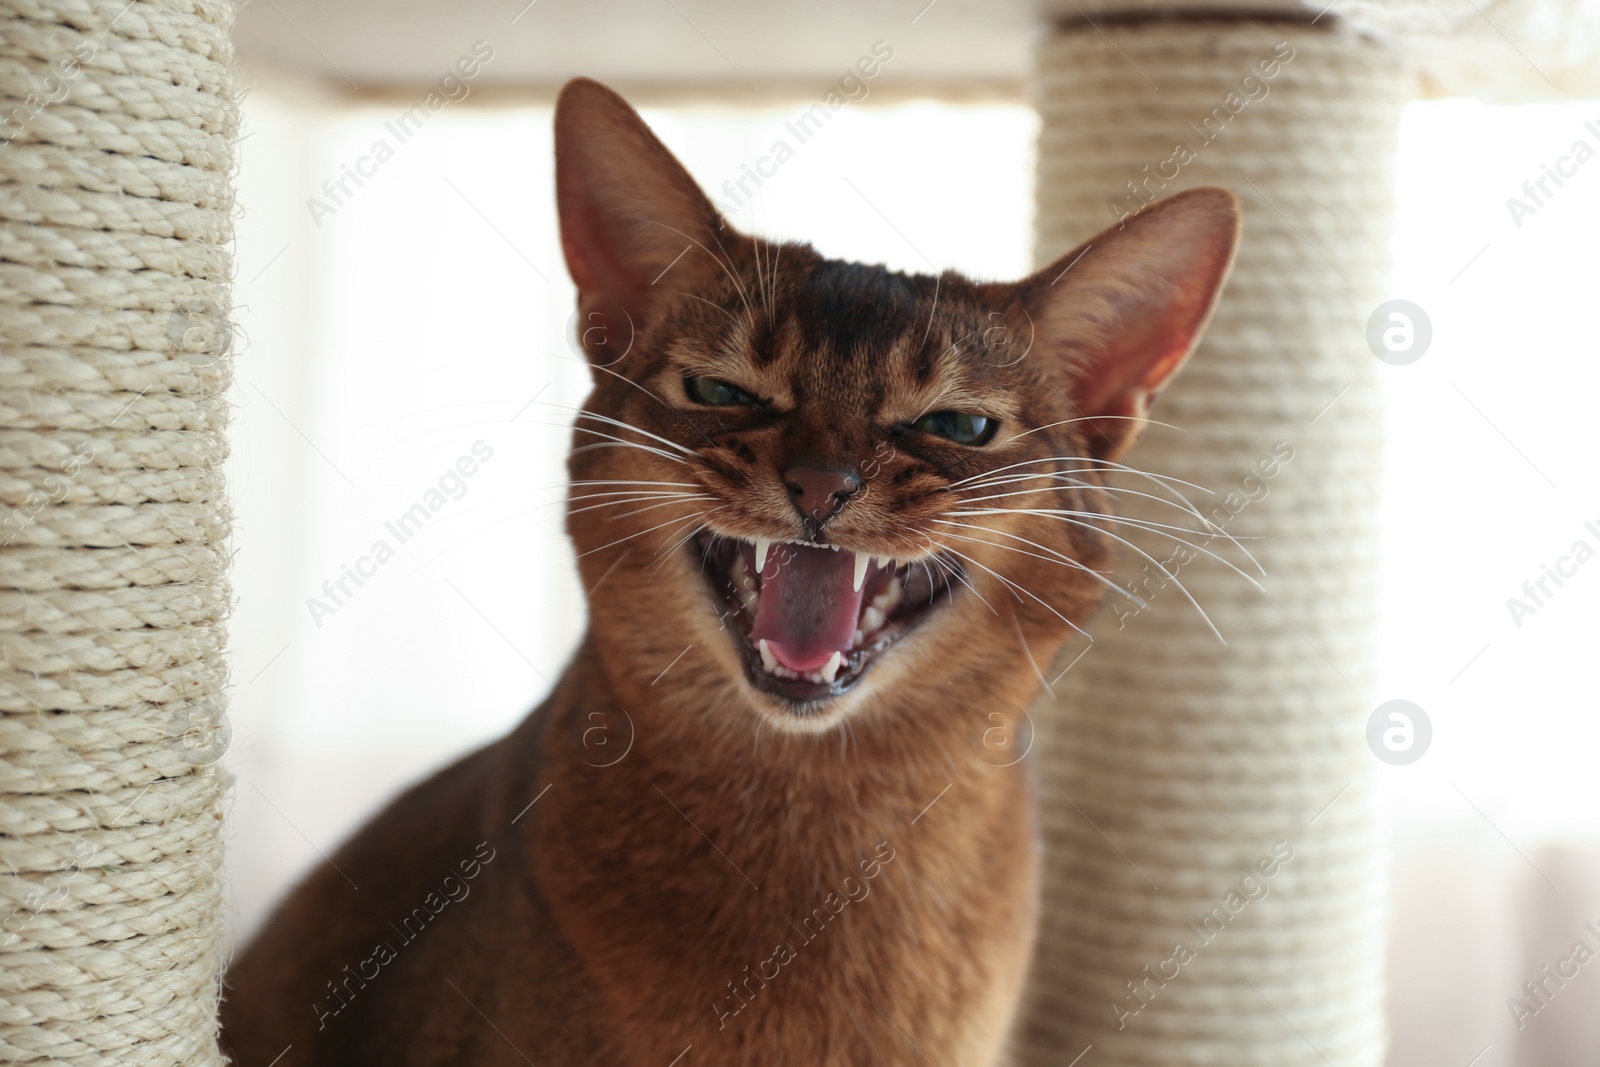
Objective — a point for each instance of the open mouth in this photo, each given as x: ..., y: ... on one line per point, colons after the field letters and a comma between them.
x: 809, y: 618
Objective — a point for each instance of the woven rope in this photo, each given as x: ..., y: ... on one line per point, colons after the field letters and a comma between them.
x: 116, y: 200
x: 1189, y: 757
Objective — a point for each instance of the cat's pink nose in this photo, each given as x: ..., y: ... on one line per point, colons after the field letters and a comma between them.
x: 819, y: 492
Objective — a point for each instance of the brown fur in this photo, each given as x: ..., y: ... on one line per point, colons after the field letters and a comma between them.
x: 624, y: 916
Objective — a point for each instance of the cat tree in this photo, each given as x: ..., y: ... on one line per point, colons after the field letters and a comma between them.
x: 1171, y: 765
x: 116, y: 195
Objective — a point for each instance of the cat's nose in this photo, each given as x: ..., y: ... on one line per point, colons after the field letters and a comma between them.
x: 819, y: 492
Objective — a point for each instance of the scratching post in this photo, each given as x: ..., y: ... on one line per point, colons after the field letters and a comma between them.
x: 117, y: 121
x: 1171, y: 764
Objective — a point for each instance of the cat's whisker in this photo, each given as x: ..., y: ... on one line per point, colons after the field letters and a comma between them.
x: 761, y: 281
x: 621, y: 481
x: 1096, y: 464
x: 1028, y: 653
x: 638, y: 533
x: 641, y: 511
x: 726, y: 268
x: 630, y: 426
x: 1079, y: 486
x: 1160, y: 530
x: 777, y: 257
x: 712, y: 303
x: 928, y: 330
x: 1149, y: 525
x: 684, y: 415
x: 618, y: 503
x: 1142, y: 420
x: 626, y: 498
x: 1160, y: 567
x: 1016, y: 589
x: 761, y: 720
x: 1053, y: 557
x: 665, y: 553
x: 953, y: 572
x: 617, y: 442
x: 1182, y: 502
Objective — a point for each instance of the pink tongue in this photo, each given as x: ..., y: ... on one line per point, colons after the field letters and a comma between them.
x: 809, y: 606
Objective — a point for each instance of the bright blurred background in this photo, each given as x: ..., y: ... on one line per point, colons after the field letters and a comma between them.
x: 428, y: 313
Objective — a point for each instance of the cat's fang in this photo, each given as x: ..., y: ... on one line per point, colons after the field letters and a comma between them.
x: 768, y: 660
x: 830, y: 669
x: 862, y: 562
x: 762, y: 544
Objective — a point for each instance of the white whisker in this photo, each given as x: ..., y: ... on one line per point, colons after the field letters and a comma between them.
x: 1058, y: 558
x: 1158, y: 565
x: 1097, y: 465
x: 1097, y: 418
x: 640, y: 511
x: 618, y: 442
x: 1080, y: 486
x: 1016, y: 588
x: 1160, y: 529
x: 954, y: 572
x: 635, y: 429
x: 726, y: 268
x: 638, y: 533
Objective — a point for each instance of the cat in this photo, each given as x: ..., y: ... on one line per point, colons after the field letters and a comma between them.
x: 831, y: 519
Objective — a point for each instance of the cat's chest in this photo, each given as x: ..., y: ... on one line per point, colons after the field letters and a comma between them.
x: 808, y: 933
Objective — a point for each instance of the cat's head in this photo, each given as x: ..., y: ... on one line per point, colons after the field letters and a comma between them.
x: 801, y: 484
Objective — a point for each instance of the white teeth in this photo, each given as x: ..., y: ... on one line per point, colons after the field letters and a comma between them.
x: 768, y: 660
x: 889, y: 599
x: 871, y: 620
x: 862, y: 561
x: 884, y: 562
x: 762, y: 544
x: 831, y: 668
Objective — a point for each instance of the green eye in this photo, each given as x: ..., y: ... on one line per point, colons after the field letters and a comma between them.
x: 716, y: 392
x: 962, y: 427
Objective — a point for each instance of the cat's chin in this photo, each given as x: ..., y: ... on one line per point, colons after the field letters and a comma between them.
x: 809, y: 619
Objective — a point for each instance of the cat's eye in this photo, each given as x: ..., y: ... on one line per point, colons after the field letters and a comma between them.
x: 962, y: 427
x: 716, y: 392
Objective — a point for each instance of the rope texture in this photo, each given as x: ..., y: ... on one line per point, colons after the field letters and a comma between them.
x: 118, y: 123
x: 1171, y: 764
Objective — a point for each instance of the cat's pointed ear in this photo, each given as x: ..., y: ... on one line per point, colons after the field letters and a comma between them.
x: 1124, y: 310
x: 634, y: 226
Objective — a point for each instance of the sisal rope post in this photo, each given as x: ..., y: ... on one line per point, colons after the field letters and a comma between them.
x: 117, y: 123
x: 1171, y: 765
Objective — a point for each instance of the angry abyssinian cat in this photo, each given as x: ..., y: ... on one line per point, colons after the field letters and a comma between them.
x: 829, y: 517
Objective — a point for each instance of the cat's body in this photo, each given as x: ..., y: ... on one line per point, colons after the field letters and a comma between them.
x: 739, y: 832
x: 661, y: 920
